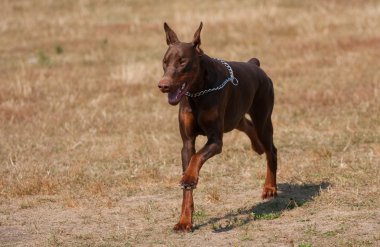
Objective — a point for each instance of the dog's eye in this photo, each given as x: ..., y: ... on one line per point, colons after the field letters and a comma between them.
x: 164, y: 63
x: 182, y: 61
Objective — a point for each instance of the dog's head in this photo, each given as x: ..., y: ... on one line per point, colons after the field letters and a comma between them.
x: 181, y: 65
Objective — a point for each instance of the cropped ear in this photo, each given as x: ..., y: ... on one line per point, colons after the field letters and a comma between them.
x: 171, y: 37
x: 197, y: 37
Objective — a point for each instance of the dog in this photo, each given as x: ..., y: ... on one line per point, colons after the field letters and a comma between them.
x: 214, y: 97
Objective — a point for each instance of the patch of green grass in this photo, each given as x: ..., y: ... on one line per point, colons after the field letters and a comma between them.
x: 295, y: 203
x: 54, y: 241
x: 43, y: 58
x: 58, y: 49
x: 311, y: 229
x: 305, y: 245
x: 246, y: 238
x: 199, y: 215
x: 104, y: 42
x: 268, y: 216
x: 84, y: 236
x: 330, y: 233
x: 26, y: 205
x: 357, y: 242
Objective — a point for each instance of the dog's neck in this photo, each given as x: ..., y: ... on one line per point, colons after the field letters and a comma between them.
x: 210, y: 75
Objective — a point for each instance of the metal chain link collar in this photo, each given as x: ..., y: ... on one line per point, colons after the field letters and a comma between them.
x: 232, y: 79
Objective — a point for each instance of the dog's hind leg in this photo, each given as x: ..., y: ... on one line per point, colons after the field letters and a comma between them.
x: 248, y: 127
x: 260, y: 113
x: 270, y: 186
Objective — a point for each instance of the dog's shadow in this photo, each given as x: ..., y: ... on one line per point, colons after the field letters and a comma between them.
x: 290, y: 196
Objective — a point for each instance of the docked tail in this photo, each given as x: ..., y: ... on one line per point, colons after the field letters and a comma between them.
x: 254, y: 61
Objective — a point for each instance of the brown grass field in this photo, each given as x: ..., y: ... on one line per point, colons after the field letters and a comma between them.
x: 90, y: 149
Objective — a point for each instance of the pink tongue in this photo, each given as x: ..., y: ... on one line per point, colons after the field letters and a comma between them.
x: 172, y: 96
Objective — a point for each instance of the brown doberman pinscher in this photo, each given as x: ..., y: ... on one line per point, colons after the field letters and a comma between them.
x: 214, y: 98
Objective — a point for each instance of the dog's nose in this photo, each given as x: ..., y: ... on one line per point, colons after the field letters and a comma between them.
x: 164, y: 85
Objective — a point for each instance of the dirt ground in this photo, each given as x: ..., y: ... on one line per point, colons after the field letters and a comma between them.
x: 90, y: 149
x: 146, y: 220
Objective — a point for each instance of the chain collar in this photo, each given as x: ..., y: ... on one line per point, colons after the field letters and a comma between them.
x: 231, y: 78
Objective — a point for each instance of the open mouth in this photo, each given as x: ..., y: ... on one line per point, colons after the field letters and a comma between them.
x: 175, y: 96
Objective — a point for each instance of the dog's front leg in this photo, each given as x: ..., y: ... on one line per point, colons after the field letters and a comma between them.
x: 188, y: 150
x: 185, y: 223
x: 186, y: 220
x: 190, y: 179
x: 186, y: 123
x: 213, y: 146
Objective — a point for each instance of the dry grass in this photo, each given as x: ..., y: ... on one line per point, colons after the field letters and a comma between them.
x: 89, y: 148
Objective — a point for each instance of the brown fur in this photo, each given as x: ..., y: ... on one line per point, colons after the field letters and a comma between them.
x: 217, y: 112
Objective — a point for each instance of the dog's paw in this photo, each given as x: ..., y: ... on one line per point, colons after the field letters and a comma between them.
x: 183, y: 227
x: 189, y: 181
x: 269, y: 191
